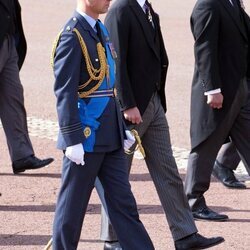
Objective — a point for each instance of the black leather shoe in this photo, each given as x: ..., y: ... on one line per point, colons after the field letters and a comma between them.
x: 30, y: 162
x: 197, y: 241
x: 226, y: 176
x: 112, y: 245
x: 208, y: 214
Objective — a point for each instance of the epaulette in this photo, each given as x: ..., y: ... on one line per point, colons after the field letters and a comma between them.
x: 71, y: 24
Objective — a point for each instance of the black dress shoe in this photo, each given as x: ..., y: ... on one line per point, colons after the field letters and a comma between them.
x: 197, y: 241
x: 208, y: 214
x: 226, y: 176
x: 112, y: 245
x: 30, y: 162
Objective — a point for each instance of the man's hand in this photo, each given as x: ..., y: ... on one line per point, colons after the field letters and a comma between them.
x: 129, y: 141
x: 215, y: 101
x: 133, y: 115
x: 76, y: 154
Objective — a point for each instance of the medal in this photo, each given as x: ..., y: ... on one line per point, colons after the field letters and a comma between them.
x: 112, y: 49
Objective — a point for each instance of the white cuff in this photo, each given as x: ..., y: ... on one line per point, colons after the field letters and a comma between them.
x: 213, y: 91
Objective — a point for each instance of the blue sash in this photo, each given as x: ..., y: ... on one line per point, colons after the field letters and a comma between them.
x: 90, y: 111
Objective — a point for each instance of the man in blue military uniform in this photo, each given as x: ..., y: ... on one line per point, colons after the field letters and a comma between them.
x: 91, y: 131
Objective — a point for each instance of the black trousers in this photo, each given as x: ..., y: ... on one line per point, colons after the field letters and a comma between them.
x: 202, y: 158
x: 228, y: 155
x: 12, y: 110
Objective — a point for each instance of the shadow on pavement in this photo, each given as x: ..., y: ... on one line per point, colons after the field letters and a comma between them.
x: 92, y: 208
x: 29, y: 240
x: 32, y: 175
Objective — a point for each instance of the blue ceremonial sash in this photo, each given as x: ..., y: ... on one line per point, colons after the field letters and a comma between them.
x: 90, y: 111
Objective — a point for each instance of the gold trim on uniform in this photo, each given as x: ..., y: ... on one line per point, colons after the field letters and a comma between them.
x: 94, y: 74
x: 87, y: 132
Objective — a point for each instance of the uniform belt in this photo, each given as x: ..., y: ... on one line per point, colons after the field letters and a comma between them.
x: 101, y: 93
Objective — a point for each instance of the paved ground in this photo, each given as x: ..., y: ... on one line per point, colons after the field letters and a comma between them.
x: 28, y: 200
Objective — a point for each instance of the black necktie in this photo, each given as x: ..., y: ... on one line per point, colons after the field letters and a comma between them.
x: 99, y: 33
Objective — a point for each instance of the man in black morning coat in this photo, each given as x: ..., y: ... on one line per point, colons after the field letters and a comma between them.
x: 219, y: 92
x: 141, y: 69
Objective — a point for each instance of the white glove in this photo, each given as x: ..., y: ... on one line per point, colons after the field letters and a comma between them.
x: 76, y: 154
x: 129, y: 141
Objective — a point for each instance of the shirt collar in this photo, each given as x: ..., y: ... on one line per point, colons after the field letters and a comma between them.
x: 141, y: 2
x: 89, y: 19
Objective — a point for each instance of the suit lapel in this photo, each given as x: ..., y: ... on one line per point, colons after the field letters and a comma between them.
x: 147, y: 29
x: 236, y: 19
x: 4, y: 4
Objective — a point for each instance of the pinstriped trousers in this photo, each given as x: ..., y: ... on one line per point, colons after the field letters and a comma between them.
x: 154, y: 133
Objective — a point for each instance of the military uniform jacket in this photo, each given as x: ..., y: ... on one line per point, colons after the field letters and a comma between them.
x: 70, y: 72
x: 19, y: 35
x: 221, y: 61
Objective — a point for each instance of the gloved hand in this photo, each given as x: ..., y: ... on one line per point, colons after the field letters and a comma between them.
x: 76, y: 154
x: 129, y: 141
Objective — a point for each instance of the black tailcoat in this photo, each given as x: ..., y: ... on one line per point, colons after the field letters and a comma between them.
x: 5, y: 21
x: 221, y: 61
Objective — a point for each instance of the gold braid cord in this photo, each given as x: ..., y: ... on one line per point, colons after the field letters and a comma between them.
x: 94, y: 74
x: 54, y: 46
x: 139, y: 144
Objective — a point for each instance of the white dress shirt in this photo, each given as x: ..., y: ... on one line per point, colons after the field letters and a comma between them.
x: 141, y: 3
x: 89, y: 19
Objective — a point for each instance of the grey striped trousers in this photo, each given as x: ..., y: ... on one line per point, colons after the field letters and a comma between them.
x: 154, y: 133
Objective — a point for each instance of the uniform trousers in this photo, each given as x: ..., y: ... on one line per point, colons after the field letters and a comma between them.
x: 77, y: 185
x: 154, y: 133
x: 12, y: 110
